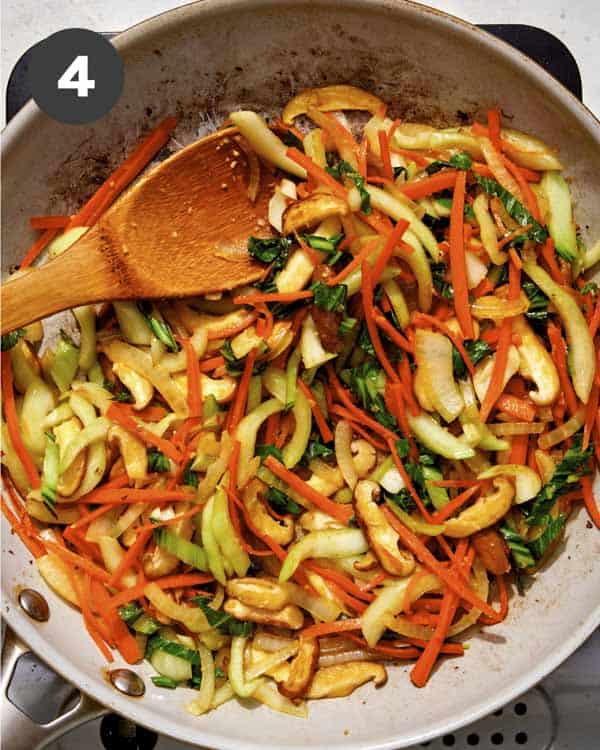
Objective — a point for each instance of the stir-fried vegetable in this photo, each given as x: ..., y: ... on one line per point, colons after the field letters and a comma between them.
x: 322, y: 470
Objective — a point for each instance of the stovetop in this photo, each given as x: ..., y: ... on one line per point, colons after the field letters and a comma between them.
x: 561, y: 713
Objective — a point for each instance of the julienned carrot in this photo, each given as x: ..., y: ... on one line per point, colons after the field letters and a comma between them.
x: 518, y: 449
x: 367, y: 300
x: 255, y: 299
x: 452, y: 580
x: 384, y: 148
x: 444, y: 180
x: 397, y: 402
x: 317, y: 173
x: 590, y: 500
x: 132, y: 495
x: 549, y: 256
x: 591, y: 410
x: 168, y: 582
x: 493, y: 118
x: 341, y: 412
x: 241, y: 396
x: 362, y: 151
x: 89, y: 214
x: 342, y: 513
x: 119, y: 415
x: 559, y: 354
x: 392, y: 240
x: 518, y: 408
x: 78, y: 561
x: 212, y: 363
x: 286, y: 425
x: 12, y: 422
x: 37, y: 247
x: 378, y: 221
x: 406, y: 379
x: 194, y: 383
x: 392, y: 333
x: 407, y: 481
x: 419, y: 159
x: 454, y: 338
x: 455, y: 482
x: 327, y: 628
x: 124, y: 640
x: 441, y: 515
x: 357, y: 261
x: 503, y: 611
x: 458, y: 269
x: 324, y: 428
x: 49, y: 222
x: 485, y: 171
x: 171, y: 521
x: 497, y: 380
x: 32, y: 544
x: 595, y: 319
x: 228, y: 332
x: 132, y: 554
x: 528, y: 194
x: 342, y: 580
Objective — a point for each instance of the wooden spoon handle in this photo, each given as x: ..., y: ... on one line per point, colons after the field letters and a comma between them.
x: 81, y: 275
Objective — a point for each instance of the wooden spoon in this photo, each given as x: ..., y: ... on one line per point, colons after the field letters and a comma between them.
x: 181, y: 230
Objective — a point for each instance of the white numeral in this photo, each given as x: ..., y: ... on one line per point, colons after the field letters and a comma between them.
x: 76, y: 77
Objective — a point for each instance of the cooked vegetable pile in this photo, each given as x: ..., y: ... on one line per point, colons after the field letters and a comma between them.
x: 276, y: 492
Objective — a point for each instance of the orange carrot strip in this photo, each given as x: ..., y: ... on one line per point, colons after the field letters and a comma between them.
x: 392, y: 333
x: 550, y: 258
x: 455, y: 482
x: 168, y: 582
x: 384, y: 147
x: 49, y: 222
x: 324, y: 428
x: 367, y: 299
x: 443, y: 180
x: 345, y: 414
x: 493, y: 118
x: 528, y: 194
x: 378, y: 221
x: 33, y: 545
x: 117, y: 414
x: 425, y: 557
x: 357, y: 261
x: 341, y: 512
x: 254, y: 299
x: 133, y: 553
x: 211, y: 364
x: 362, y: 151
x: 495, y: 387
x: 397, y: 404
x: 590, y: 501
x: 241, y: 397
x: 423, y: 318
x: 228, y: 332
x: 595, y: 319
x: 419, y: 159
x: 341, y: 579
x: 448, y: 509
x: 485, y: 171
x: 392, y: 240
x: 326, y: 628
x: 590, y: 415
x: 124, y: 175
x: 317, y: 173
x: 458, y: 270
x: 559, y: 354
x: 407, y: 381
x: 194, y: 385
x: 78, y: 561
x: 37, y: 247
x: 12, y: 422
x: 131, y: 495
x: 519, y: 409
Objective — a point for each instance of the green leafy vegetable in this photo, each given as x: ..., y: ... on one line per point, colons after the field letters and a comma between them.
x: 160, y: 328
x: 157, y: 461
x: 551, y: 532
x: 264, y: 451
x: 222, y: 621
x: 456, y: 161
x: 10, y: 339
x: 281, y: 503
x: 235, y: 366
x: 332, y: 298
x: 188, y: 552
x: 400, y: 170
x: 164, y: 682
x: 518, y: 547
x: 538, y: 302
x: 439, y: 272
x: 324, y: 244
x: 130, y: 612
x: 65, y: 363
x: 190, y: 477
x: 477, y: 350
x: 568, y: 472
x: 219, y: 672
x: 341, y: 169
x: 317, y: 449
x: 158, y: 643
x: 364, y: 341
x: 367, y: 382
x: 146, y: 625
x: 347, y: 326
x: 50, y: 472
x: 403, y: 447
x: 402, y: 499
x: 515, y: 209
x: 590, y: 288
x: 274, y: 250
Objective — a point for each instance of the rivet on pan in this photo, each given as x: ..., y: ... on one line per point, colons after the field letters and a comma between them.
x: 127, y: 682
x: 34, y: 604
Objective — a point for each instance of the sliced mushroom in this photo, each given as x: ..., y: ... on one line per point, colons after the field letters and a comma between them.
x: 483, y: 371
x: 536, y: 364
x: 330, y: 98
x: 364, y: 456
x: 282, y: 531
x: 141, y: 389
x: 133, y: 452
x: 325, y: 479
x: 263, y: 593
x: 367, y: 562
x: 316, y: 520
x: 289, y: 616
x: 311, y: 211
x: 382, y: 537
x: 302, y: 669
x: 341, y: 680
x: 485, y: 512
x: 159, y: 562
x: 70, y: 479
x: 527, y: 481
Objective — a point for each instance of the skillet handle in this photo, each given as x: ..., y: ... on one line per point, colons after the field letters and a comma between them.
x: 19, y: 732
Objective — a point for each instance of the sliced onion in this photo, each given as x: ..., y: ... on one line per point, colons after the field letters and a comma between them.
x: 343, y: 453
x: 494, y: 307
x: 357, y: 654
x: 433, y: 353
x: 476, y: 269
x: 500, y: 172
x: 566, y: 430
x: 480, y: 584
x: 271, y: 660
x: 271, y: 642
x: 202, y: 703
x: 517, y: 428
x: 253, y: 166
x: 268, y: 694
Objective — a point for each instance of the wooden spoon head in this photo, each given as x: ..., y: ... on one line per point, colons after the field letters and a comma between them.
x: 183, y: 229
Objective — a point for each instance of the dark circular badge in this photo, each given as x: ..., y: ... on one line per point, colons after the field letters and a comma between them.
x: 76, y: 76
